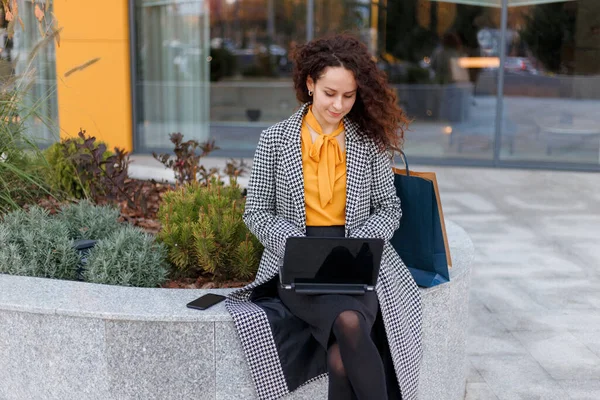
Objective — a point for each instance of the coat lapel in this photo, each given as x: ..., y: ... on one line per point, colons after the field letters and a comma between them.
x: 291, y: 163
x: 357, y: 158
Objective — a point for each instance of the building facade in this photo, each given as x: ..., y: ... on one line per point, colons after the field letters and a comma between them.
x: 487, y: 82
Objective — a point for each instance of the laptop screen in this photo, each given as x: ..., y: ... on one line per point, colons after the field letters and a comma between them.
x: 331, y: 260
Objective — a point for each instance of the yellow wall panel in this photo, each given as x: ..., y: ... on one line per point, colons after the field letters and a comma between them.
x: 96, y: 20
x: 97, y: 98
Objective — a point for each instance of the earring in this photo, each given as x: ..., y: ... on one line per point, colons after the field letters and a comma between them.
x: 310, y: 93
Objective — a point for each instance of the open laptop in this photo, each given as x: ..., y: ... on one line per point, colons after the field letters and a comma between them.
x: 320, y: 265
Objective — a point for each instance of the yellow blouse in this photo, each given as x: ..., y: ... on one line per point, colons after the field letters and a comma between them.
x: 324, y: 168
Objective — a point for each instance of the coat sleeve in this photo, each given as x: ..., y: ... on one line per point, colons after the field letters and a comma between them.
x: 385, y: 205
x: 260, y: 213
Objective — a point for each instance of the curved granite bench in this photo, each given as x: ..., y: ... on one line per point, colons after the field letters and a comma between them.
x: 72, y: 340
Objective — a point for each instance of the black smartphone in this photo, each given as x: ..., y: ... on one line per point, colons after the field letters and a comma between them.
x: 206, y: 301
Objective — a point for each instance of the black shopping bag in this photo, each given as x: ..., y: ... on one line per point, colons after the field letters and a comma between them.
x: 421, y: 240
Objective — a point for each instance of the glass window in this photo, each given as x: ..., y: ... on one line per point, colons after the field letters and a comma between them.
x: 430, y: 51
x: 251, y: 86
x: 171, y: 71
x: 41, y: 98
x: 441, y: 56
x: 552, y: 82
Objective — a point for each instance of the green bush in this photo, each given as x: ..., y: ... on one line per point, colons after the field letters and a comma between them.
x: 63, y: 174
x: 34, y: 244
x: 21, y: 162
x: 88, y: 221
x: 128, y: 257
x: 203, y: 230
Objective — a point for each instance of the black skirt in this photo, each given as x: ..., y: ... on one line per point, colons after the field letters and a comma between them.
x: 320, y: 311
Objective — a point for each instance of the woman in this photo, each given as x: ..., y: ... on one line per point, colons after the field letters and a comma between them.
x: 326, y: 171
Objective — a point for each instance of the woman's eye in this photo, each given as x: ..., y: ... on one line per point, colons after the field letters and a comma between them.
x: 328, y: 94
x: 349, y: 96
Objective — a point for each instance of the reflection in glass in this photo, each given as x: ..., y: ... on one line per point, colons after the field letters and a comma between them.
x: 442, y: 58
x: 552, y: 81
x: 419, y: 43
x: 172, y: 71
x: 41, y: 98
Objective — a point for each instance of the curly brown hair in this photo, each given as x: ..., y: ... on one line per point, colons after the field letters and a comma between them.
x: 376, y: 109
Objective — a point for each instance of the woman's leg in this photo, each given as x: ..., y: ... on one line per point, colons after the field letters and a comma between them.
x: 361, y: 361
x: 339, y: 385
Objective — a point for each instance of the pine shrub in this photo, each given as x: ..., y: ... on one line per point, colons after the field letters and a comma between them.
x: 203, y: 230
x: 127, y: 257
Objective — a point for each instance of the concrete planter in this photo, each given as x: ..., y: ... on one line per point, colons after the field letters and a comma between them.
x: 72, y: 340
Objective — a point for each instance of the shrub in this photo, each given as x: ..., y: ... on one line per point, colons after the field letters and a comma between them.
x: 88, y: 221
x: 108, y: 176
x: 21, y: 162
x: 186, y: 163
x: 63, y: 174
x: 34, y: 244
x: 203, y: 230
x: 127, y: 257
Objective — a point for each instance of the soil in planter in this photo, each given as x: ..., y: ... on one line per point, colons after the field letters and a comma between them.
x: 202, y: 282
x: 136, y: 216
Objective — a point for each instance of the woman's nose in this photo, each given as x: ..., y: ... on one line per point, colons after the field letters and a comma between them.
x: 337, y: 104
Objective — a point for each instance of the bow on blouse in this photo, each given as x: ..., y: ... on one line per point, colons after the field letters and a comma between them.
x: 326, y: 152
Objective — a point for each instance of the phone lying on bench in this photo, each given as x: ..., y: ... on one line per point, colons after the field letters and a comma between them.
x: 206, y: 301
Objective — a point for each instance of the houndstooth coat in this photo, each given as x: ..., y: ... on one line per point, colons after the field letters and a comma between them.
x: 275, y: 210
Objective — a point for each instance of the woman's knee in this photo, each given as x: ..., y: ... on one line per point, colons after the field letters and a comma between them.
x: 348, y: 322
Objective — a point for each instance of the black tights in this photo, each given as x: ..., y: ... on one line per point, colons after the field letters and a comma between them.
x: 354, y: 365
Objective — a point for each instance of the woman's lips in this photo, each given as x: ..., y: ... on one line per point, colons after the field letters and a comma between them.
x: 335, y: 115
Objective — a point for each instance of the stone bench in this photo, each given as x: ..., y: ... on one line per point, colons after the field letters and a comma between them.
x: 72, y: 340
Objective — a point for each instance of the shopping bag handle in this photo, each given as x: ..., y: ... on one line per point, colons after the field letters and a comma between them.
x: 404, y: 160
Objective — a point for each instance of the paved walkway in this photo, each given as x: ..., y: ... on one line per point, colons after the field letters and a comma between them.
x: 535, y: 295
x: 535, y: 298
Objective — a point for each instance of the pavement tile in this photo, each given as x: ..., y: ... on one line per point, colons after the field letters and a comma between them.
x: 469, y: 201
x: 582, y: 390
x: 501, y: 344
x: 517, y: 377
x: 473, y: 376
x: 501, y: 295
x: 561, y: 354
x: 566, y: 293
x: 479, y: 391
x: 482, y: 321
x: 591, y: 339
x: 571, y: 227
x: 572, y: 320
x: 508, y: 267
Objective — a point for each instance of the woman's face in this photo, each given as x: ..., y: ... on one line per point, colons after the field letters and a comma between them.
x: 334, y: 94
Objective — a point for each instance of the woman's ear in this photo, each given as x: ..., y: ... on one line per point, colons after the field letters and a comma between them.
x: 310, y: 84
